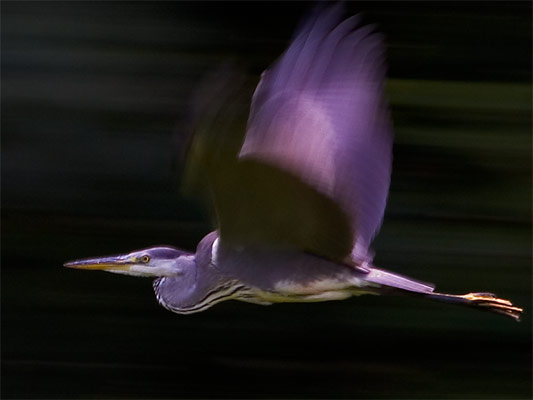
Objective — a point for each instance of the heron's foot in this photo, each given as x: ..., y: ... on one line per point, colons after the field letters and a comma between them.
x: 486, y: 301
x: 494, y: 304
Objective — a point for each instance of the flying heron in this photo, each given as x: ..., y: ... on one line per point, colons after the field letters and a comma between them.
x: 300, y: 194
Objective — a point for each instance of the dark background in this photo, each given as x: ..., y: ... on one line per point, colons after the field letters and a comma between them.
x: 91, y: 96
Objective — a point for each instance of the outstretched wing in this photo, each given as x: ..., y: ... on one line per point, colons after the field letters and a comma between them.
x: 319, y: 114
x: 314, y: 168
x: 254, y: 202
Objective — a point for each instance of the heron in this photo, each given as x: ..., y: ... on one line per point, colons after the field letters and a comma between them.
x: 300, y: 192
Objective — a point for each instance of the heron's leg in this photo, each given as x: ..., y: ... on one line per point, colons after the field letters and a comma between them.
x: 486, y: 301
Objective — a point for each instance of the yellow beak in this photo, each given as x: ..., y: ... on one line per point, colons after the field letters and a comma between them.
x: 104, y: 263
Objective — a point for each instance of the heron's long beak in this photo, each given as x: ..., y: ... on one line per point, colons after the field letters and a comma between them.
x: 114, y: 263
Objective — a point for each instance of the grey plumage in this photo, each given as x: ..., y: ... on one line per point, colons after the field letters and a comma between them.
x: 299, y: 192
x: 319, y: 114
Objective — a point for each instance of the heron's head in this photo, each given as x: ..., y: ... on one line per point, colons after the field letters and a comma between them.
x: 152, y: 262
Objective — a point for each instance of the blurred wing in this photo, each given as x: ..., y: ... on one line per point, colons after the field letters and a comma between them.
x: 215, y: 131
x: 261, y: 204
x: 253, y: 202
x: 319, y: 114
x: 313, y: 169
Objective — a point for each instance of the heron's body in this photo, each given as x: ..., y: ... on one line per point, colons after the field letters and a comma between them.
x: 300, y: 193
x: 233, y: 269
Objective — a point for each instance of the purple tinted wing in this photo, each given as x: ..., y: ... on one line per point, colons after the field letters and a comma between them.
x: 319, y: 113
x: 254, y: 203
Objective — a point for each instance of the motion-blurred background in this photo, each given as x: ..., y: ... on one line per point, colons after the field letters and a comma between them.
x: 91, y: 96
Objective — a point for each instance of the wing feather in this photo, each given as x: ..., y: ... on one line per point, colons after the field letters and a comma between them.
x: 312, y: 171
x: 319, y: 113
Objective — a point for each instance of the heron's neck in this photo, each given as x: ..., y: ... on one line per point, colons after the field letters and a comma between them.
x: 197, y: 287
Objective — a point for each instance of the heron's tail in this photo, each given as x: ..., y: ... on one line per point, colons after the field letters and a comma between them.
x: 391, y: 282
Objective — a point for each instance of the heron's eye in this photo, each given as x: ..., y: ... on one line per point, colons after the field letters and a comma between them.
x: 145, y: 259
